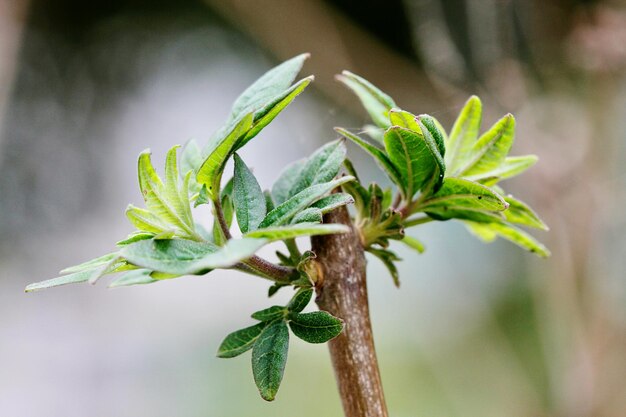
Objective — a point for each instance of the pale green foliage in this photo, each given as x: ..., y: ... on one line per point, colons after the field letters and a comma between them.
x: 442, y: 176
x: 436, y: 177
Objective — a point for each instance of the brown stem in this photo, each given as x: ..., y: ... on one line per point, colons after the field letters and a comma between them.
x: 342, y: 291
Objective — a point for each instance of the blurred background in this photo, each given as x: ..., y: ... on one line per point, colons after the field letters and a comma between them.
x: 476, y: 330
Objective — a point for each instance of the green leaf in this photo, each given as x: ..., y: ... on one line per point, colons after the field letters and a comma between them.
x: 416, y: 124
x: 413, y: 243
x: 491, y: 149
x: 135, y: 237
x: 520, y: 213
x: 135, y: 277
x: 274, y: 288
x: 333, y: 201
x: 210, y: 172
x: 321, y: 167
x: 431, y: 129
x: 463, y: 135
x: 415, y: 159
x: 94, y: 263
x: 374, y: 132
x: 283, y: 213
x: 269, y: 201
x: 481, y: 231
x: 191, y: 157
x: 512, y: 166
x: 184, y: 257
x: 76, y: 277
x: 315, y: 327
x: 461, y: 194
x: 267, y: 87
x: 286, y: 181
x: 475, y: 215
x: 240, y: 341
x: 203, y: 196
x: 379, y: 156
x: 85, y: 274
x: 520, y: 238
x: 269, y: 357
x: 171, y: 191
x: 160, y: 200
x: 270, y: 313
x: 248, y: 197
x: 309, y: 215
x: 405, y: 119
x: 300, y: 300
x: 388, y: 258
x: 264, y: 116
x: 373, y: 99
x: 144, y: 220
x: 296, y: 230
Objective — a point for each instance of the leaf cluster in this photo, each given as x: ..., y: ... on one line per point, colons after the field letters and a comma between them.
x: 269, y: 339
x: 438, y: 176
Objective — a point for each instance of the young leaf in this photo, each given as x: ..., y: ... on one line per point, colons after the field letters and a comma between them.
x: 374, y: 100
x: 321, y: 167
x: 270, y: 313
x: 300, y: 300
x: 413, y: 243
x: 520, y: 238
x: 460, y: 194
x: 333, y: 201
x: 433, y: 133
x: 315, y: 327
x: 295, y: 230
x: 374, y: 132
x: 84, y: 275
x: 144, y: 220
x: 267, y: 87
x: 264, y: 116
x: 492, y: 148
x: 416, y: 124
x: 108, y: 268
x: 184, y: 257
x: 309, y: 215
x: 379, y: 155
x: 388, y: 258
x: 172, y: 194
x: 210, y: 172
x: 135, y: 237
x: 286, y: 180
x: 417, y: 161
x: 520, y: 213
x: 240, y: 341
x: 248, y: 197
x: 203, y: 196
x: 463, y: 135
x: 269, y: 357
x: 135, y: 277
x: 481, y: 231
x: 94, y: 263
x: 159, y: 200
x: 283, y: 213
x: 191, y: 157
x: 269, y: 201
x: 512, y: 166
x: 475, y: 215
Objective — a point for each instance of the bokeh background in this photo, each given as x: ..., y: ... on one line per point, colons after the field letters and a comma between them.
x: 476, y: 330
